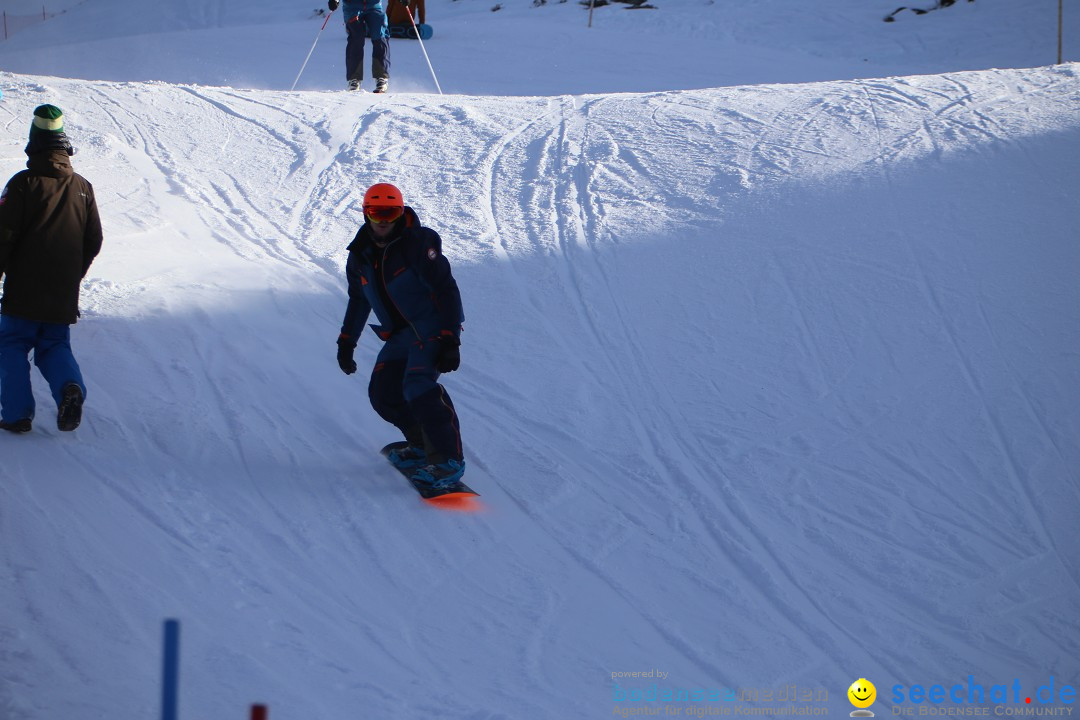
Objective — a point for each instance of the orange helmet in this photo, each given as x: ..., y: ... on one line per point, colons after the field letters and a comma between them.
x: 383, y: 203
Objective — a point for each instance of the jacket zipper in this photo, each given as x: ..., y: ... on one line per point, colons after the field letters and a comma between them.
x: 382, y: 273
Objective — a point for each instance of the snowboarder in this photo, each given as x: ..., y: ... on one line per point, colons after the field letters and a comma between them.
x: 399, y: 11
x: 50, y: 232
x: 403, y: 17
x: 397, y: 270
x: 363, y: 19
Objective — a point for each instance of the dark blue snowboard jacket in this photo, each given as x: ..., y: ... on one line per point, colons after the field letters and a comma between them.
x: 407, y: 284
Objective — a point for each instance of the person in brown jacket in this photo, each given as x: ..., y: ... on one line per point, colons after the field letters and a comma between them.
x: 50, y: 232
x: 398, y: 12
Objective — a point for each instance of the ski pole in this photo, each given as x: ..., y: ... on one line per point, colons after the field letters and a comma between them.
x: 311, y: 51
x: 170, y: 670
x: 423, y: 49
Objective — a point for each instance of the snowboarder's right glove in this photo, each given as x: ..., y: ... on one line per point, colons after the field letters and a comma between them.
x: 332, y: 4
x: 345, y: 347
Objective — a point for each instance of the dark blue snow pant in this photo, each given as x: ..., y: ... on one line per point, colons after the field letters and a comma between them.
x: 373, y: 25
x: 404, y: 392
x: 51, y: 344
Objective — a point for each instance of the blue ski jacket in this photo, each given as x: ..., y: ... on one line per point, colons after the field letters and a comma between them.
x: 353, y: 9
x: 407, y: 284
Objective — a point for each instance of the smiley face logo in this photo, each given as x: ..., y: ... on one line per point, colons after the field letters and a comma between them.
x: 862, y: 693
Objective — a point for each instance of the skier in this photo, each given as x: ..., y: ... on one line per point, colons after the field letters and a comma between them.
x: 365, y: 18
x: 397, y: 270
x: 50, y: 232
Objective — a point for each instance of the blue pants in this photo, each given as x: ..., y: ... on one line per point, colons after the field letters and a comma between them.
x: 404, y: 392
x: 371, y: 25
x: 51, y: 343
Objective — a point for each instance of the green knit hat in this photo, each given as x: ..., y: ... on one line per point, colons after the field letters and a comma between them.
x: 47, y: 132
x: 47, y: 118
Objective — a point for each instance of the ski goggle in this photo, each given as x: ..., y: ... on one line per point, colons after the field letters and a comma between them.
x: 380, y: 215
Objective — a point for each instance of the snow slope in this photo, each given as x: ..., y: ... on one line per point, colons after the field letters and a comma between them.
x: 763, y: 386
x: 549, y: 50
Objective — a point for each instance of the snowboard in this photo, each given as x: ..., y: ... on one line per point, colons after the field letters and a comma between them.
x: 406, y: 32
x: 457, y: 490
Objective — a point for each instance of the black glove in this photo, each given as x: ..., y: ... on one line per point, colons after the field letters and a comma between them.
x: 332, y: 4
x: 345, y: 347
x: 449, y: 357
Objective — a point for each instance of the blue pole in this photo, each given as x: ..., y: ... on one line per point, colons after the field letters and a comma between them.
x: 171, y: 670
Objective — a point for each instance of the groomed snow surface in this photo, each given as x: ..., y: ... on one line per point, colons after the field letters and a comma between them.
x: 766, y: 387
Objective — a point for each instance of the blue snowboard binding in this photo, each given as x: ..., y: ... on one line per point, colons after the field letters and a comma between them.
x: 432, y: 481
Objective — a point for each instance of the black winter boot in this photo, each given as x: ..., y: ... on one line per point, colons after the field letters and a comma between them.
x: 19, y: 426
x: 69, y: 415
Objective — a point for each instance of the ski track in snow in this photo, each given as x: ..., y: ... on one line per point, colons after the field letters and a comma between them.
x: 682, y: 404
